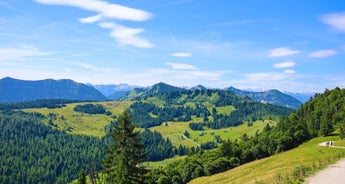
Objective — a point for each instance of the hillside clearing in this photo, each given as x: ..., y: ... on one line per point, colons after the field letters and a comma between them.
x: 175, y: 132
x: 67, y: 119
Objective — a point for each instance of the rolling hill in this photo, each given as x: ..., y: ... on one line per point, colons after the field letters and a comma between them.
x: 318, y: 118
x: 14, y: 90
x: 150, y: 91
x: 271, y: 96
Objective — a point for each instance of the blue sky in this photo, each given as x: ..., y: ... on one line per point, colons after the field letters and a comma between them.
x: 290, y: 45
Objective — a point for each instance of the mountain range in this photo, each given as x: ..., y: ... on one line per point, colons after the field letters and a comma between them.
x: 271, y: 96
x: 113, y: 91
x: 14, y: 90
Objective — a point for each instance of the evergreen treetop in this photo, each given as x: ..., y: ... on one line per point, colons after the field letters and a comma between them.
x: 122, y: 162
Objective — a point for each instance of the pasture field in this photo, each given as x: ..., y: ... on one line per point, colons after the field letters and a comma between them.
x: 67, y: 119
x: 175, y: 132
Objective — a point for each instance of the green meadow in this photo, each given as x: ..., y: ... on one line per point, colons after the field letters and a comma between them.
x: 67, y: 119
x: 175, y: 132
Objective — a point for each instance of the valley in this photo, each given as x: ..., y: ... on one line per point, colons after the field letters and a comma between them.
x: 206, y: 131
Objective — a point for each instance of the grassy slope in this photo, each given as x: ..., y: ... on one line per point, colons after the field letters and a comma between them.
x: 290, y: 166
x: 93, y: 125
x: 174, y: 131
x: 80, y: 123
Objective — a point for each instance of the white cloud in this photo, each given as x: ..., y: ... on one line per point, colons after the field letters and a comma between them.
x: 106, y: 11
x: 175, y: 77
x: 266, y: 76
x: 104, y: 8
x: 323, y: 53
x: 92, y: 19
x: 126, y: 36
x: 95, y: 68
x: 289, y: 71
x: 286, y: 64
x: 335, y: 20
x: 182, y: 54
x: 182, y: 66
x: 20, y: 53
x: 281, y: 52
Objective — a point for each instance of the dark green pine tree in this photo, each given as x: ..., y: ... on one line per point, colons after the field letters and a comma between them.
x: 82, y: 177
x: 122, y: 162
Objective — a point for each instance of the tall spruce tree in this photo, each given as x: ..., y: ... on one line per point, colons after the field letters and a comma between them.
x: 122, y: 162
x: 82, y: 177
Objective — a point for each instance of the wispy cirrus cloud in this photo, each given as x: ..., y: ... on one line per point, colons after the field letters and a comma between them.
x: 109, y: 11
x: 175, y: 77
x: 21, y: 53
x: 92, y: 19
x: 335, y: 20
x: 104, y: 9
x: 234, y: 22
x: 95, y: 68
x: 181, y: 54
x: 282, y: 51
x: 285, y: 64
x: 323, y: 53
x: 289, y: 71
x: 266, y: 76
x: 125, y: 35
x: 181, y: 66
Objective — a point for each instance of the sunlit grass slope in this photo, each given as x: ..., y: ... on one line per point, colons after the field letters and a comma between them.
x: 80, y: 123
x: 175, y: 132
x: 288, y: 167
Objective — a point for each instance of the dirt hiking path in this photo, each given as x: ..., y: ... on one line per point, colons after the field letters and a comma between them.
x: 333, y: 174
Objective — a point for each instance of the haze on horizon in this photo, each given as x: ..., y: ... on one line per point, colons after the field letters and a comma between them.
x: 287, y: 45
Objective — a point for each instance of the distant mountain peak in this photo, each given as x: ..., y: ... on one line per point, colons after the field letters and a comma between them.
x: 198, y: 87
x: 272, y: 96
x: 15, y: 90
x: 162, y: 87
x: 114, y: 91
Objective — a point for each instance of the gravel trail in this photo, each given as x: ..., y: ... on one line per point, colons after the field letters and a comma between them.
x: 333, y: 174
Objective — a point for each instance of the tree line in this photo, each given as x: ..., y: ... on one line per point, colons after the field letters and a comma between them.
x: 44, y: 103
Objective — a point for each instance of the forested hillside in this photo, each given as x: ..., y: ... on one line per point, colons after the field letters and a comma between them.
x: 32, y: 152
x: 213, y: 109
x: 318, y: 117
